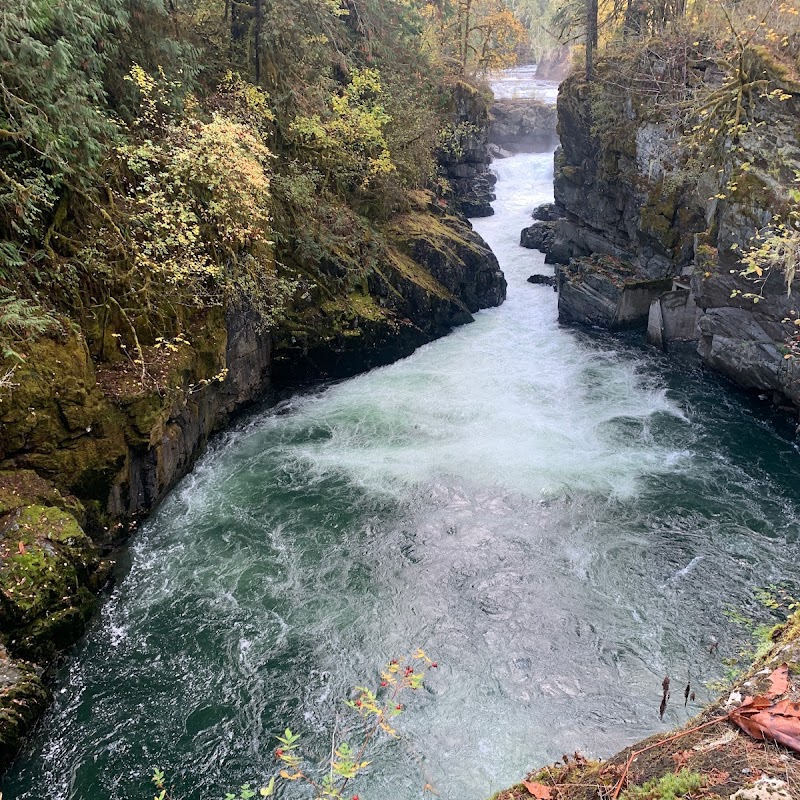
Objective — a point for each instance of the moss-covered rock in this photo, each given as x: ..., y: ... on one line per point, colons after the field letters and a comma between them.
x: 428, y: 272
x: 46, y: 566
x: 23, y: 697
x: 118, y: 433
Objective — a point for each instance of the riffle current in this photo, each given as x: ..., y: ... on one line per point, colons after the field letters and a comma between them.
x: 559, y: 518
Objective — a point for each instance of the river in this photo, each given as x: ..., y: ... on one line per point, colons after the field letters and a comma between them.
x: 560, y: 518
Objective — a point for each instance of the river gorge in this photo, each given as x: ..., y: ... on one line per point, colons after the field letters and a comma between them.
x: 559, y: 517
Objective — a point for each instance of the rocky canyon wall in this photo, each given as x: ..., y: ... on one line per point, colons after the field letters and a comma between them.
x: 642, y: 232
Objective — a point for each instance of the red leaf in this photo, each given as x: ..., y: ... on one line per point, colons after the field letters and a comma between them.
x: 779, y: 681
x: 22, y: 548
x: 752, y: 705
x: 747, y: 725
x: 538, y: 790
x: 779, y: 722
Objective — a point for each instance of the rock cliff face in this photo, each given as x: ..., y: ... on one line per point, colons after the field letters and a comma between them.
x: 555, y: 64
x: 86, y: 448
x: 521, y: 126
x: 464, y: 159
x: 623, y: 192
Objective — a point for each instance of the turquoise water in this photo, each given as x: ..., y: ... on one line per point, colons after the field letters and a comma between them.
x: 559, y: 518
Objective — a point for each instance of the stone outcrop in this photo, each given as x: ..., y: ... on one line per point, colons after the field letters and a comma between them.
x: 673, y: 318
x: 538, y: 236
x: 623, y: 192
x: 747, y: 341
x: 464, y: 159
x: 85, y: 447
x: 23, y: 698
x: 547, y: 212
x: 605, y: 293
x: 521, y: 126
x: 437, y: 271
x: 610, y: 205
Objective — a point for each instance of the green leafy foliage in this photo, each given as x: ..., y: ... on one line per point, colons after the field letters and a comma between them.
x: 22, y: 319
x: 53, y: 131
x: 157, y: 159
x: 193, y: 206
x: 348, y: 143
x: 475, y: 36
x: 374, y: 711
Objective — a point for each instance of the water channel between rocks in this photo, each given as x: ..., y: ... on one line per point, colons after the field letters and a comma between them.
x: 560, y: 518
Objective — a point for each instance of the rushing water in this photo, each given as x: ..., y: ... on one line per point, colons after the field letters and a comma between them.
x: 559, y: 518
x: 522, y: 83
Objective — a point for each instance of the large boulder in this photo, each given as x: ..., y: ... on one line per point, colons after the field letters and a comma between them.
x: 522, y: 126
x: 602, y: 292
x: 538, y: 236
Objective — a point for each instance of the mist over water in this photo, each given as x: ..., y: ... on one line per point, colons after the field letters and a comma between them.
x: 559, y: 518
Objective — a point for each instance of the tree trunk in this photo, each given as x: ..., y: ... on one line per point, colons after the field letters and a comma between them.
x: 259, y: 18
x: 591, y: 37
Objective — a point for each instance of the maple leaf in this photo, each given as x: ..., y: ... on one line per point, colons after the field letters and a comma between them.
x: 538, y: 790
x: 762, y: 720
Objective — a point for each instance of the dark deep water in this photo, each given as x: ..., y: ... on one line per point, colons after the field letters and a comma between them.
x: 559, y: 518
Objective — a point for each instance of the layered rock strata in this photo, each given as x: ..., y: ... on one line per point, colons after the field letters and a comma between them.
x: 464, y: 159
x: 624, y: 190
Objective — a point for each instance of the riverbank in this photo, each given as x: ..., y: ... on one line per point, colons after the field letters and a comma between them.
x: 661, y: 225
x: 88, y: 449
x: 710, y: 756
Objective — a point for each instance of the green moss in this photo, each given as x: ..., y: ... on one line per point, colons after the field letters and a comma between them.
x: 440, y: 232
x: 752, y: 190
x: 656, y: 219
x: 22, y: 487
x: 416, y: 273
x: 761, y: 60
x: 667, y: 787
x: 23, y: 697
x: 46, y: 561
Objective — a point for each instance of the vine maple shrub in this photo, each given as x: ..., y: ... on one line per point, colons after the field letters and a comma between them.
x: 376, y: 710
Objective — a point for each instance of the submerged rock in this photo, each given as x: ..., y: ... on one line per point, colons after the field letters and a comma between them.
x: 543, y: 280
